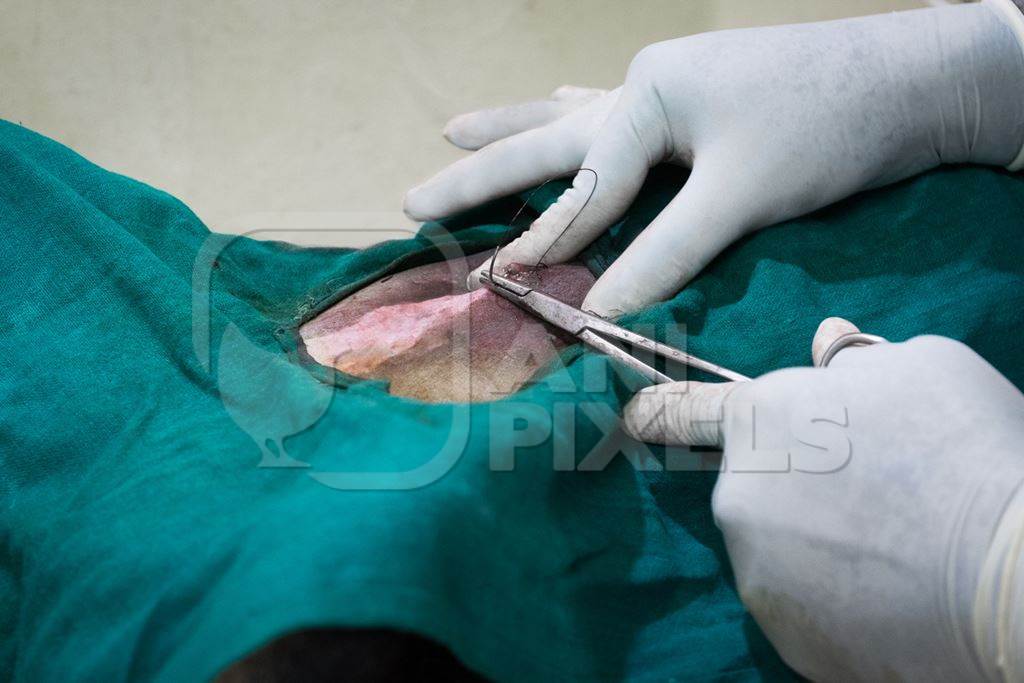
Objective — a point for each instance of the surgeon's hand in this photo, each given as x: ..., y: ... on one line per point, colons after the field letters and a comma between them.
x: 775, y: 122
x: 873, y: 510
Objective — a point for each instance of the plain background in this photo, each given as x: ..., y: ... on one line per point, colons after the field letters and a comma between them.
x: 308, y: 121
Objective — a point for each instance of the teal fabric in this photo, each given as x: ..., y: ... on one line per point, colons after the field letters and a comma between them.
x: 173, y: 473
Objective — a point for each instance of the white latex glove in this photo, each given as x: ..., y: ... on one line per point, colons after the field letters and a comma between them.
x: 873, y: 510
x: 776, y: 122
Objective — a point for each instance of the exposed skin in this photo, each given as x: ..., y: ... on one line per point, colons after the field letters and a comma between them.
x: 435, y: 341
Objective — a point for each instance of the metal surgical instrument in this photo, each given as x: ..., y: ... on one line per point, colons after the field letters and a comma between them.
x: 598, y: 333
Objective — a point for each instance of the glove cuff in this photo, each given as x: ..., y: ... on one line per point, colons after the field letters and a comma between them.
x: 998, y: 618
x: 1012, y: 14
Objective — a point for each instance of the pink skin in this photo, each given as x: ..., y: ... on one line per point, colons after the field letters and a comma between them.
x: 434, y: 341
x: 385, y: 332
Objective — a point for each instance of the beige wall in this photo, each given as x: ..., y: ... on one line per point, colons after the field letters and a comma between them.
x: 269, y: 114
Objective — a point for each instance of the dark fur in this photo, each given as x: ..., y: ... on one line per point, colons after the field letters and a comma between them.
x: 359, y: 655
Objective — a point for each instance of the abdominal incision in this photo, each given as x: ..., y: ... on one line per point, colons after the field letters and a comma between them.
x: 433, y: 340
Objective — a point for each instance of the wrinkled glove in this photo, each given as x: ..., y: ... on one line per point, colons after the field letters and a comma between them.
x: 873, y: 510
x: 775, y: 122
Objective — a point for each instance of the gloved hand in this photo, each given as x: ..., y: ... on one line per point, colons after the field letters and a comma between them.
x: 775, y: 122
x: 873, y: 510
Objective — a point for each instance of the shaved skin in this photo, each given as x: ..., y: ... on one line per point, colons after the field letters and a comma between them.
x: 433, y: 340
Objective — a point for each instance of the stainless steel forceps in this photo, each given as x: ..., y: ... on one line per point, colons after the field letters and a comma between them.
x: 597, y: 332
